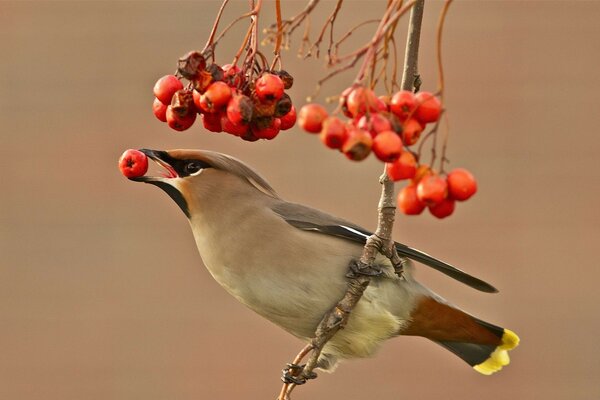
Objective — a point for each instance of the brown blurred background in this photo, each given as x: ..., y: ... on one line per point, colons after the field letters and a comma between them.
x: 102, y: 292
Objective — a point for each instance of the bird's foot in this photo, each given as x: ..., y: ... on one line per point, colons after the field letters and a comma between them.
x: 294, y: 374
x: 356, y: 268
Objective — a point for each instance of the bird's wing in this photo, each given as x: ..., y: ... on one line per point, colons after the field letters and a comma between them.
x: 309, y: 219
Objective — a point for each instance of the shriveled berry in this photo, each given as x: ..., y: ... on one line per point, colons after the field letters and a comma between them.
x: 432, y: 189
x: 191, y: 64
x: 182, y: 103
x: 311, y: 117
x: 178, y: 122
x: 133, y: 163
x: 216, y: 72
x: 232, y: 75
x: 283, y: 106
x: 429, y: 107
x: 288, y: 80
x: 408, y: 202
x: 289, y: 119
x: 461, y: 184
x: 269, y: 87
x: 159, y: 110
x: 403, y: 104
x: 442, y: 209
x: 358, y: 144
x: 334, y: 133
x: 165, y: 88
x: 387, y: 146
x: 404, y: 167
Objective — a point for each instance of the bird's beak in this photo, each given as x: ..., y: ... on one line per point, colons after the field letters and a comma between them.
x: 168, y: 179
x: 163, y: 159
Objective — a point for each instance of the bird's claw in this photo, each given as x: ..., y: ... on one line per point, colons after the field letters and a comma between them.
x: 294, y: 373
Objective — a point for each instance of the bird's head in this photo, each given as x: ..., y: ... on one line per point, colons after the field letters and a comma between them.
x: 188, y: 175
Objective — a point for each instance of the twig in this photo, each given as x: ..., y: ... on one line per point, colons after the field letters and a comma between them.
x: 381, y: 241
x: 440, y: 29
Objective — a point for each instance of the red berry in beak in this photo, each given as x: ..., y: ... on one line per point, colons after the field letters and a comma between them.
x: 133, y: 163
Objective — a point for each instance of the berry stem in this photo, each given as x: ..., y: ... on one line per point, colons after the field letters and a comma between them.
x: 213, y: 32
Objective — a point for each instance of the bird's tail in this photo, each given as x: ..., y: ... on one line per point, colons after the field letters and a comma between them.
x: 480, y: 344
x: 485, y: 358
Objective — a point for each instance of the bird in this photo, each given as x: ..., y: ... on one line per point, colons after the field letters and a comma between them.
x: 288, y: 263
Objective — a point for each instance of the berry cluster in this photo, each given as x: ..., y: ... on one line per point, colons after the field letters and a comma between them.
x: 387, y: 127
x: 381, y: 125
x: 226, y: 99
x: 429, y: 189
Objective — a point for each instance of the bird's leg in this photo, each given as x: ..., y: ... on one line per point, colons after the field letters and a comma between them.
x: 292, y: 372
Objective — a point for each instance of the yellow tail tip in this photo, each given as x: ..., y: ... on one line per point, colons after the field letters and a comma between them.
x: 499, y: 358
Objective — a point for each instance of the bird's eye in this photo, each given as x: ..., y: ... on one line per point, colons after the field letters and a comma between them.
x: 192, y: 167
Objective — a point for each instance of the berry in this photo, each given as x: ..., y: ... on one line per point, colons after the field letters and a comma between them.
x: 442, y: 209
x: 234, y: 129
x: 411, y: 131
x: 461, y: 184
x: 374, y: 124
x: 283, y: 106
x: 387, y: 146
x: 429, y: 107
x: 404, y: 167
x: 344, y: 101
x: 269, y: 132
x: 432, y: 189
x: 358, y: 143
x: 179, y: 122
x: 360, y: 101
x: 288, y: 80
x: 403, y: 104
x: 165, y: 88
x: 408, y: 202
x: 212, y: 122
x: 289, y: 119
x: 311, y: 117
x: 239, y: 109
x: 334, y: 133
x: 422, y: 171
x: 159, y: 110
x: 269, y: 87
x: 216, y: 97
x: 133, y: 163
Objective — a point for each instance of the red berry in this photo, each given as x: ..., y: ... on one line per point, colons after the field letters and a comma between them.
x: 386, y: 100
x: 133, y: 163
x: 422, y: 171
x: 432, y: 189
x: 178, y: 122
x: 234, y: 129
x: 268, y: 87
x: 232, y: 74
x: 408, y: 202
x: 404, y: 167
x: 239, y: 109
x: 429, y: 107
x: 387, y: 146
x: 334, y: 133
x: 461, y: 184
x: 165, y: 88
x: 212, y: 122
x: 374, y: 124
x: 442, y: 209
x: 403, y: 104
x: 269, y: 132
x: 311, y: 117
x: 411, y: 131
x: 289, y: 119
x: 159, y: 110
x: 215, y: 97
x: 358, y: 144
x: 360, y: 101
x: 344, y: 101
